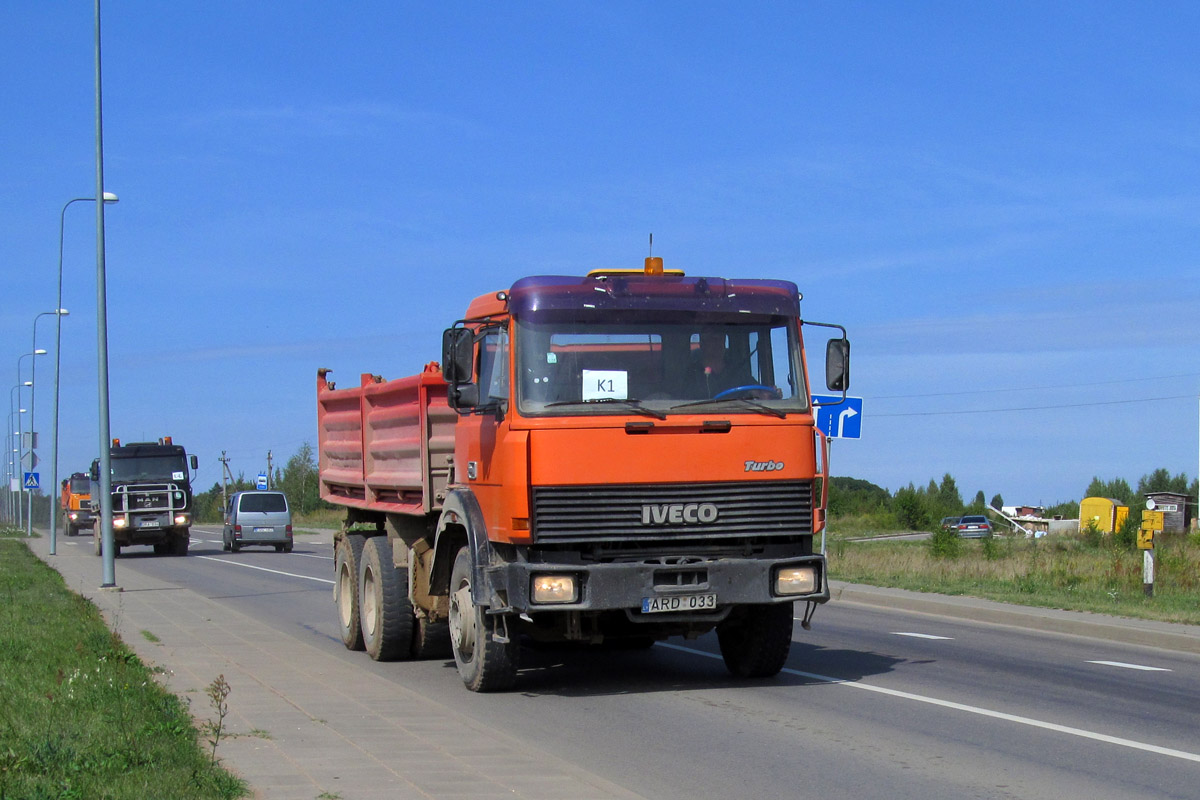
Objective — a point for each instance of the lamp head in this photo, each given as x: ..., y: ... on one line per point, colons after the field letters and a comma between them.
x: 109, y: 197
x: 39, y: 352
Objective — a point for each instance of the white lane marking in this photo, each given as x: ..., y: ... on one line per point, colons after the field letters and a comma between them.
x: 921, y: 635
x: 983, y: 712
x: 1123, y: 665
x: 294, y: 555
x: 264, y: 569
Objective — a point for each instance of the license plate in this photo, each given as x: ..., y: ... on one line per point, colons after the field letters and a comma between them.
x: 148, y: 523
x: 686, y: 602
x: 264, y: 530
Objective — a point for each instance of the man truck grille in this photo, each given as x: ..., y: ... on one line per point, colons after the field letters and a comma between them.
x: 657, y: 511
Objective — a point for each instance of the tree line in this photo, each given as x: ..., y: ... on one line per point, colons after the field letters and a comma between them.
x: 921, y: 508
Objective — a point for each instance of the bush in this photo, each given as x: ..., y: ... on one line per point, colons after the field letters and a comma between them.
x: 1126, y: 536
x: 945, y: 544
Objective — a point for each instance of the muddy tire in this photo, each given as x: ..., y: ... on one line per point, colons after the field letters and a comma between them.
x: 756, y: 641
x: 431, y: 639
x: 384, y: 610
x: 484, y: 664
x: 346, y: 558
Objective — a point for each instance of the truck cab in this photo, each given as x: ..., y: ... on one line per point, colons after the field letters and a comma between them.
x: 75, y: 503
x: 151, y: 496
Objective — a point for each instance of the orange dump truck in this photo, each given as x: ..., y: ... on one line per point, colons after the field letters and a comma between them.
x: 618, y: 458
x: 75, y: 503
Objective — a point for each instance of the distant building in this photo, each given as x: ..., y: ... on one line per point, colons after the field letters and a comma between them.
x: 1174, y: 508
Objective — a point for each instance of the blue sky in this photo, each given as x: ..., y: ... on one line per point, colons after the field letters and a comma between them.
x: 1000, y: 200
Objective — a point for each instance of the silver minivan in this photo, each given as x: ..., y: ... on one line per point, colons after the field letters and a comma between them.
x: 258, y: 518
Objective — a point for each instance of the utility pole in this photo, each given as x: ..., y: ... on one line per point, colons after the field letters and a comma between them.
x: 269, y: 469
x: 224, y: 482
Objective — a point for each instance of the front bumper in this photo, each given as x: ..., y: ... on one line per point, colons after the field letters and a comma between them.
x: 623, y: 585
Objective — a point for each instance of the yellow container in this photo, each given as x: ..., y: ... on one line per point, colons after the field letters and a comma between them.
x: 1106, y: 513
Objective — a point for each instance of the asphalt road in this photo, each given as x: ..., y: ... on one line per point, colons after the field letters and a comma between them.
x: 874, y: 702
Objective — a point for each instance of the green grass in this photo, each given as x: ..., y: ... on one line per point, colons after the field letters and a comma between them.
x: 80, y: 715
x: 1066, y: 572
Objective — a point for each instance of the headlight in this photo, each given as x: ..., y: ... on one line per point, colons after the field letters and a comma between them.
x: 182, y: 519
x: 119, y: 522
x: 796, y: 580
x: 555, y: 589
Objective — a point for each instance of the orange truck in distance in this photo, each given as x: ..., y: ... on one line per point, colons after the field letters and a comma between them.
x: 616, y: 458
x: 75, y: 503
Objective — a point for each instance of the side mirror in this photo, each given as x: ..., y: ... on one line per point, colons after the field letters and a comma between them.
x: 194, y: 462
x: 458, y: 351
x: 837, y: 365
x: 95, y: 471
x: 464, y: 395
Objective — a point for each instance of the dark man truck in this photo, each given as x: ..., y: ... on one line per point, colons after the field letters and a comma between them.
x: 151, y: 496
x: 75, y: 503
x: 581, y: 467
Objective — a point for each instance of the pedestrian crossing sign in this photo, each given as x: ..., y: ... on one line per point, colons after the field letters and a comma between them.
x: 33, y: 480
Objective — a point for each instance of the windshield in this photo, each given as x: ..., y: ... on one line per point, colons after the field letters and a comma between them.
x: 149, y: 468
x: 81, y: 485
x: 659, y: 363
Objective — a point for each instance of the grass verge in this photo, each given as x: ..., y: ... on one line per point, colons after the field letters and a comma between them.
x: 80, y: 715
x: 1064, y: 572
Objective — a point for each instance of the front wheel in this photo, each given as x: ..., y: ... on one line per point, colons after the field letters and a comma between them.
x: 484, y: 664
x: 756, y: 641
x: 179, y: 540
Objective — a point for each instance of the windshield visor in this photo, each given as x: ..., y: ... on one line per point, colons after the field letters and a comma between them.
x: 573, y: 362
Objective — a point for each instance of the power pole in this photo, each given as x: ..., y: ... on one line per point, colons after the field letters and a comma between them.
x: 224, y: 482
x: 268, y: 469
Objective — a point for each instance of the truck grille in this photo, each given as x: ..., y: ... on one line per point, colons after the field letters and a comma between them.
x: 672, y: 511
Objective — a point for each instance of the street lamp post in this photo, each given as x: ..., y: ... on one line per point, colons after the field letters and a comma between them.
x: 33, y: 356
x: 105, y: 488
x: 14, y: 446
x: 109, y: 197
x: 58, y: 312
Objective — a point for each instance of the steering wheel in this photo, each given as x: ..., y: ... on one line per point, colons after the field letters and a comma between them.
x: 745, y: 388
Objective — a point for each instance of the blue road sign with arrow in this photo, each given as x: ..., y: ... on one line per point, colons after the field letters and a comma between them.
x: 838, y: 420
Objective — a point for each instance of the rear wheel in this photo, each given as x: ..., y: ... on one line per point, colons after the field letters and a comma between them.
x: 484, y: 664
x: 179, y: 540
x: 346, y: 557
x: 755, y: 642
x: 431, y: 639
x: 384, y: 609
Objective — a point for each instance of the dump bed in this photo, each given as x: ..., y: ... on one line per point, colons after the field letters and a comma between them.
x: 386, y: 445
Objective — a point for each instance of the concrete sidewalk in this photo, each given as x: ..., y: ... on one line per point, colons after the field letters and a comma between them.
x: 304, y: 725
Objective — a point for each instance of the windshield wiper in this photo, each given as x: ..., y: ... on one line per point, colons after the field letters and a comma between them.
x: 759, y: 406
x: 631, y: 402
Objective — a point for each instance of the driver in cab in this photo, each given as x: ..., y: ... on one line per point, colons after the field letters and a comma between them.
x: 719, y: 372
